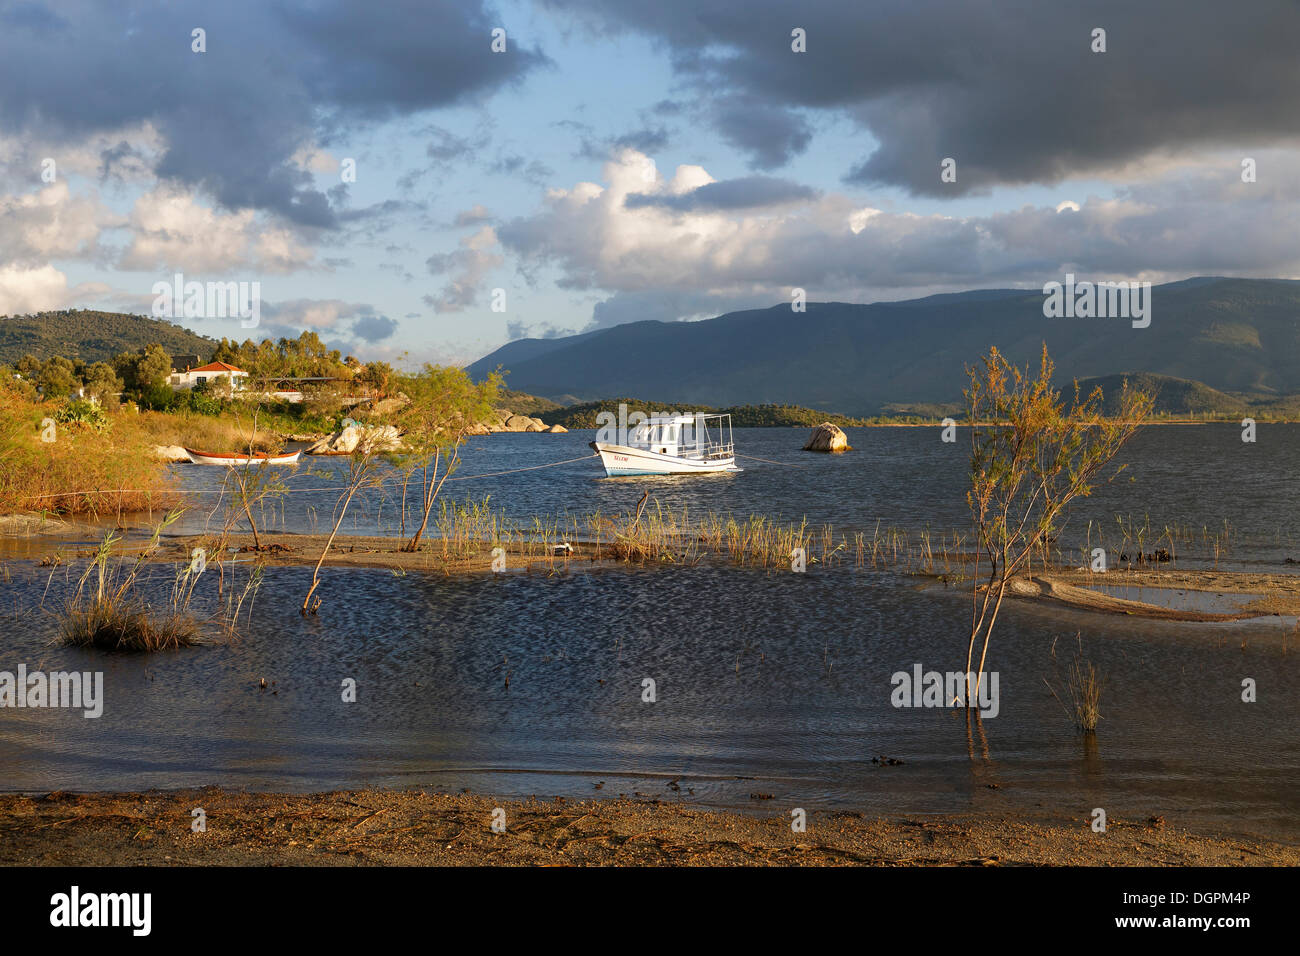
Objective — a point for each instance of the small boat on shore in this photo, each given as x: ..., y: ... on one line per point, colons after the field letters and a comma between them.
x: 241, y: 458
x: 680, y: 445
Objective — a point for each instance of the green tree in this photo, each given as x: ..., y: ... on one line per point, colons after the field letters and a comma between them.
x: 154, y: 367
x: 378, y: 375
x: 146, y: 371
x: 57, y: 377
x: 102, y: 383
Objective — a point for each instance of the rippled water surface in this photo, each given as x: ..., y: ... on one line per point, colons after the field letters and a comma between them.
x: 767, y: 683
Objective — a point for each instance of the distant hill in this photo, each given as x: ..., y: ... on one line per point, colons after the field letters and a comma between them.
x: 94, y: 336
x: 1173, y: 396
x: 1233, y: 335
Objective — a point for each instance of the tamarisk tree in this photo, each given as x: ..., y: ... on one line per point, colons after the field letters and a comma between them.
x: 1032, y: 455
x: 445, y: 405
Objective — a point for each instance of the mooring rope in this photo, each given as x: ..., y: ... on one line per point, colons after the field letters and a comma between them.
x: 512, y: 471
x: 215, y: 491
x: 788, y: 464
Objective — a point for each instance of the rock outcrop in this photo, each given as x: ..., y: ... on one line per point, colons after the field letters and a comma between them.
x: 349, y: 439
x: 504, y: 420
x: 829, y: 438
x: 522, y: 423
x: 170, y: 453
x: 557, y: 430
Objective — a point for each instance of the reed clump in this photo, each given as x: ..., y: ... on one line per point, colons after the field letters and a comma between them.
x: 109, y: 612
x: 113, y: 624
x: 1082, y: 685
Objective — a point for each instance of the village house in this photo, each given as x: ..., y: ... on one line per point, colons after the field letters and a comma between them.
x: 212, y: 374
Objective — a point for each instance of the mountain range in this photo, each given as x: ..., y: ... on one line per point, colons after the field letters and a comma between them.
x: 1235, y: 336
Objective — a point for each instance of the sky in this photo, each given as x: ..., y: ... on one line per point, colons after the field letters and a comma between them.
x: 413, y: 184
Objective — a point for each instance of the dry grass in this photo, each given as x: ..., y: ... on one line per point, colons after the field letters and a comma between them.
x: 227, y: 433
x: 82, y: 471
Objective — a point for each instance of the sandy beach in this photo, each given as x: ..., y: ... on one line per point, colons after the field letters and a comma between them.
x: 413, y: 827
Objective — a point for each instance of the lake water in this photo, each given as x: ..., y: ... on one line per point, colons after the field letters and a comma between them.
x: 768, y: 684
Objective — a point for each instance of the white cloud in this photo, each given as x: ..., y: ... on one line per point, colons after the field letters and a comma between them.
x: 25, y: 290
x: 469, y: 266
x: 50, y: 223
x: 647, y: 256
x: 170, y: 230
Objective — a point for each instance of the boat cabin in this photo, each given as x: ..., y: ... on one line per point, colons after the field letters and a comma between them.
x: 685, y: 436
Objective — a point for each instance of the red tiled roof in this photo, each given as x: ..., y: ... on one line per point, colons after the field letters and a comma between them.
x: 217, y: 367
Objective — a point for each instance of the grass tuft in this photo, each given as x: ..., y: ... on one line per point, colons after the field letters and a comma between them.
x: 112, y: 624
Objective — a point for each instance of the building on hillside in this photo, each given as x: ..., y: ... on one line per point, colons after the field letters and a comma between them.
x: 212, y: 374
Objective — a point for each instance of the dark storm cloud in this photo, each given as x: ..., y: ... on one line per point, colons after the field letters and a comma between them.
x: 274, y: 78
x: 750, y: 192
x: 1012, y: 91
x: 772, y: 136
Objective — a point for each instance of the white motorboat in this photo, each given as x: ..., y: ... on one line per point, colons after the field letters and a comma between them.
x: 680, y: 445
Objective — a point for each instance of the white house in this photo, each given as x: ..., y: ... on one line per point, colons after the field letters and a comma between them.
x: 212, y: 373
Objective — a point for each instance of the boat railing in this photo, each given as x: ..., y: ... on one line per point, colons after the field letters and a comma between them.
x: 715, y: 449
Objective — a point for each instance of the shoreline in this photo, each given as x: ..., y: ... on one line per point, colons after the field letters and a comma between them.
x: 1272, y: 594
x: 423, y: 828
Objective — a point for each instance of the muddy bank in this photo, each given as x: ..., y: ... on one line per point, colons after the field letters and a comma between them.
x: 1261, y: 595
x: 374, y: 551
x: 24, y: 526
x: 384, y: 827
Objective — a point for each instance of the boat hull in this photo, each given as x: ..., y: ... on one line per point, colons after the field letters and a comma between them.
x: 217, y: 458
x: 620, y: 460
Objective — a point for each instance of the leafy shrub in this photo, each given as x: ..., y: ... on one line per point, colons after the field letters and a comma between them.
x: 80, y: 411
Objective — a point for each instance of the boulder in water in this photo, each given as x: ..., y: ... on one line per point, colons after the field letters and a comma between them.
x: 354, y: 436
x: 829, y: 438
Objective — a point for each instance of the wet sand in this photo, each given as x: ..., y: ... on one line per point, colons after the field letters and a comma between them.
x: 412, y: 827
x: 1270, y: 594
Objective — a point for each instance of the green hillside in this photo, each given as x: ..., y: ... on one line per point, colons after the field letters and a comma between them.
x: 93, y: 336
x: 1173, y: 396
